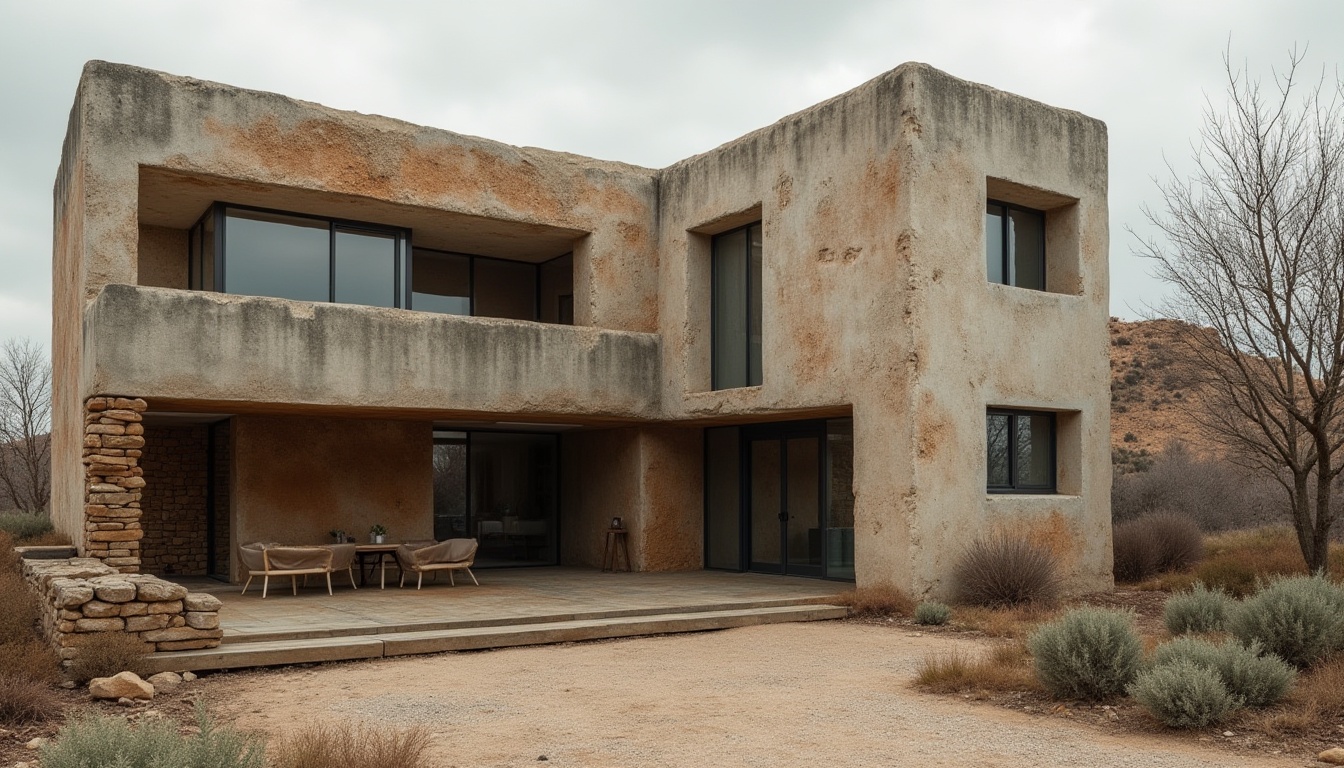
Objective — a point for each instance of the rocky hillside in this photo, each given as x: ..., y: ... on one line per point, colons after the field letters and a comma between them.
x: 1153, y: 391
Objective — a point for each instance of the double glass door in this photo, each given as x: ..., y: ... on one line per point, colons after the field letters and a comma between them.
x: 785, y: 497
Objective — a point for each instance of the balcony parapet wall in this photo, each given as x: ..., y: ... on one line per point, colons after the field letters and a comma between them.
x: 207, y: 347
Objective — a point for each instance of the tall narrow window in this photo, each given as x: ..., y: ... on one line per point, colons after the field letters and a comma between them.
x: 1015, y: 245
x: 736, y: 276
x: 1020, y: 451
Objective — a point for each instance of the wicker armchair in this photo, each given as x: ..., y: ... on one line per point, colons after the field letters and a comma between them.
x: 451, y: 555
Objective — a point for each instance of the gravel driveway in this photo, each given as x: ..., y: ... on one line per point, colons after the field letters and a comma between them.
x: 824, y: 694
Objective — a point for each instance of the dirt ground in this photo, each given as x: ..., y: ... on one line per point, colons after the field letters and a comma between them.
x: 824, y: 693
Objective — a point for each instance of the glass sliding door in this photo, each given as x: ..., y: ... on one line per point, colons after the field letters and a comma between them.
x: 779, y: 498
x: 450, y: 485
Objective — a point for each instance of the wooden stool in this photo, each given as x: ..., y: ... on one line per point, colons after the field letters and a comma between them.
x: 617, y: 538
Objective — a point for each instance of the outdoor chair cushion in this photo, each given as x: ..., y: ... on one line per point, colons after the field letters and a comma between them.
x: 342, y: 556
x: 314, y: 559
x: 450, y: 551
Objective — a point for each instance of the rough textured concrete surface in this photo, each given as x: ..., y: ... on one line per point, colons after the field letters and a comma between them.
x: 876, y: 305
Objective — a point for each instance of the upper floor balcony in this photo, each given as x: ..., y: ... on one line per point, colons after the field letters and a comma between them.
x: 196, y: 349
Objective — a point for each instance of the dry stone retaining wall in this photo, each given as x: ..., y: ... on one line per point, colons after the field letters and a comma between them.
x: 113, y: 443
x: 83, y: 596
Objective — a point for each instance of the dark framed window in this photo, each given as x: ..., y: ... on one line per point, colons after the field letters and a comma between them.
x: 736, y: 258
x: 1020, y: 451
x: 1015, y: 245
x: 260, y: 252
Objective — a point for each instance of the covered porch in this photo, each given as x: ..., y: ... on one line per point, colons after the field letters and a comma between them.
x: 511, y: 607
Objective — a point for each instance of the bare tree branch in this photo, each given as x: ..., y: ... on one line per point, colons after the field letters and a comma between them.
x: 1254, y: 245
x: 25, y: 426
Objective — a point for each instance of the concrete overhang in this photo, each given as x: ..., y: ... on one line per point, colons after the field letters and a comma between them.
x: 196, y: 351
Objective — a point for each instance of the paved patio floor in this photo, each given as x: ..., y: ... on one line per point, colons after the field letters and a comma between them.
x: 505, y: 596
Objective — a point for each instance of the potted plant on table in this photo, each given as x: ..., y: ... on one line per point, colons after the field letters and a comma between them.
x: 378, y: 534
x: 338, y: 536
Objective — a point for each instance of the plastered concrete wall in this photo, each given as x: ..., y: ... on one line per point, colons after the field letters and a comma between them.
x: 876, y: 299
x: 162, y: 257
x: 650, y: 477
x: 192, y: 346
x: 979, y: 344
x: 295, y: 479
x: 876, y: 302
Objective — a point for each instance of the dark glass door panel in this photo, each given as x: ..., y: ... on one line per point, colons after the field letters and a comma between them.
x: 450, y: 488
x: 802, y: 503
x: 767, y: 541
x: 513, y: 498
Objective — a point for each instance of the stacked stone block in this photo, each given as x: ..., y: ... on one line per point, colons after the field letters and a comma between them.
x: 113, y: 442
x: 81, y: 597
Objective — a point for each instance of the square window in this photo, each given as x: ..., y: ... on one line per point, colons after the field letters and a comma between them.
x: 1020, y: 451
x: 1015, y: 245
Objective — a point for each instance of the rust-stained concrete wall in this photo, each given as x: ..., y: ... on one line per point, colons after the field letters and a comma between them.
x: 650, y: 477
x: 876, y: 298
x: 876, y: 301
x: 295, y: 479
x: 211, y: 347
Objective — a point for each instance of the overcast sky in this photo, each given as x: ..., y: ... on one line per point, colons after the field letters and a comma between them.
x: 642, y: 82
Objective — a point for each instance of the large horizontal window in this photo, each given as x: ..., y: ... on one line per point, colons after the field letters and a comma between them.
x: 248, y: 251
x: 265, y: 253
x: 1020, y: 451
x: 459, y: 284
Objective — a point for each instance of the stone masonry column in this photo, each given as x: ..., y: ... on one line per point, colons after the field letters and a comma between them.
x: 113, y: 439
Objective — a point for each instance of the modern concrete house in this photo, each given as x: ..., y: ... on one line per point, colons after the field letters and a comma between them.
x: 841, y: 346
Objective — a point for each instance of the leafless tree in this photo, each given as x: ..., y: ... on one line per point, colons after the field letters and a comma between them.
x: 1255, y: 251
x: 25, y: 424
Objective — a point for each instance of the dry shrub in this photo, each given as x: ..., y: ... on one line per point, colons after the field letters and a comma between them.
x: 30, y: 659
x: 353, y: 745
x: 10, y: 562
x: 1004, y: 569
x: 104, y: 654
x: 1180, y: 542
x: 1006, y: 668
x: 1135, y: 547
x: 24, y: 701
x: 877, y: 602
x: 18, y: 608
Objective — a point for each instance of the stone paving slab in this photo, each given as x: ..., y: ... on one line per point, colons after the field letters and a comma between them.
x: 505, y: 596
x: 344, y: 648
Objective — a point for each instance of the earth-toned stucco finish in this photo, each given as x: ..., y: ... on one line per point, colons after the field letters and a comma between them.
x: 876, y: 301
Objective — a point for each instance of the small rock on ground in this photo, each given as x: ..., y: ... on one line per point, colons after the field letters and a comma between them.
x: 1333, y: 756
x: 121, y: 685
x: 37, y: 743
x: 165, y: 681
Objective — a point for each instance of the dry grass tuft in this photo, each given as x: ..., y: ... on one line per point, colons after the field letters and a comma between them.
x: 18, y: 609
x: 1006, y: 668
x: 1237, y: 561
x: 1016, y: 621
x: 104, y: 654
x: 877, y: 602
x: 1315, y: 703
x: 24, y: 701
x: 29, y: 659
x: 48, y: 539
x: 353, y: 745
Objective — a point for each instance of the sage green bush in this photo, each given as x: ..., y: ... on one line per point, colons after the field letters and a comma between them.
x: 1199, y: 610
x: 1183, y: 694
x: 1253, y: 677
x: 1300, y: 619
x: 22, y: 525
x: 98, y: 741
x: 932, y: 613
x: 1088, y: 653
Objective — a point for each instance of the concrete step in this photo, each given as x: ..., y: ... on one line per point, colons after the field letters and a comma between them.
x: 234, y: 636
x: 343, y: 648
